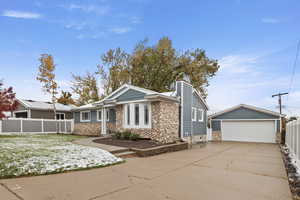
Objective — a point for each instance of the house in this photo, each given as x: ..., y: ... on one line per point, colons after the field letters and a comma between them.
x: 246, y: 123
x: 42, y: 110
x: 165, y: 117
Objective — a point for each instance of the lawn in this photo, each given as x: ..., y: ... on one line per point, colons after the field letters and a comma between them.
x: 46, y: 154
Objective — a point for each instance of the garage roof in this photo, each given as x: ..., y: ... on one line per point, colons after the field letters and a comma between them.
x: 248, y: 107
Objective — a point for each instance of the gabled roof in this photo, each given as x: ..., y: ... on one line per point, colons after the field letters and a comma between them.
x: 200, y: 96
x: 43, y: 105
x: 249, y: 107
x: 124, y: 88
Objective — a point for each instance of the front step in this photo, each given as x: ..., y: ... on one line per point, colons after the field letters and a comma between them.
x: 126, y: 154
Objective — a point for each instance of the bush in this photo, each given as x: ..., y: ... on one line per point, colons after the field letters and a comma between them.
x: 126, y: 135
x: 134, y: 136
x: 117, y: 135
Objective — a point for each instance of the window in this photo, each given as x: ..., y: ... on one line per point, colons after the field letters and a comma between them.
x: 194, y: 114
x: 107, y: 115
x: 99, y: 115
x: 85, y: 116
x: 60, y: 116
x: 137, y: 114
x: 200, y: 115
x: 128, y: 114
x: 146, y: 114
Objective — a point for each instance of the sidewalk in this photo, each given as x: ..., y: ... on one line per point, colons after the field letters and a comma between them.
x: 89, y: 142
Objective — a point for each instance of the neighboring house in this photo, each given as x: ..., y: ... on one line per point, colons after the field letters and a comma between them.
x: 247, y: 124
x: 165, y: 117
x: 42, y: 110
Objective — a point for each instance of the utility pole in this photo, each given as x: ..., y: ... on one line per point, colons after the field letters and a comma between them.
x: 279, y: 99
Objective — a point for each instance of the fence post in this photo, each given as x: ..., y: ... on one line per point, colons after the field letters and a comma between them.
x: 72, y: 125
x: 66, y: 126
x: 21, y: 125
x: 0, y: 125
x: 43, y: 126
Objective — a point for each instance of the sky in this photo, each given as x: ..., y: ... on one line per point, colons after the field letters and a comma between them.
x: 255, y: 42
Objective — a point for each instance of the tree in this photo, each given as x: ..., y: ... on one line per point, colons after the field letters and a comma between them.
x: 46, y: 76
x: 156, y: 67
x: 86, y: 88
x: 66, y: 98
x: 117, y: 61
x: 152, y: 67
x: 8, y: 102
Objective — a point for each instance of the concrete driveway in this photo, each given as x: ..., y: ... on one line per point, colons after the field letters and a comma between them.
x: 218, y: 171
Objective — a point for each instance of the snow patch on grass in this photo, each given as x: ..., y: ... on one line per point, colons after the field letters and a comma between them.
x: 40, y: 154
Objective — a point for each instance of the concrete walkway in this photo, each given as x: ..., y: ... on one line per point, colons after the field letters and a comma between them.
x: 227, y: 171
x: 89, y: 142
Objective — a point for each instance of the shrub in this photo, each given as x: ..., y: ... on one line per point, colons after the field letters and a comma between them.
x: 117, y: 135
x: 126, y: 135
x: 134, y: 136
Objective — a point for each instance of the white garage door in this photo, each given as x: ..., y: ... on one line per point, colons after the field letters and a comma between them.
x: 249, y: 131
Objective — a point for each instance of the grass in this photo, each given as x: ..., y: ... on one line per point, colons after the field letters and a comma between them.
x: 46, y: 154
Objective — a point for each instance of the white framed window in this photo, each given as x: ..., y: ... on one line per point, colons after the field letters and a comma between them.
x: 85, y: 116
x: 60, y: 116
x: 137, y: 115
x: 194, y: 114
x: 200, y: 117
x: 99, y: 115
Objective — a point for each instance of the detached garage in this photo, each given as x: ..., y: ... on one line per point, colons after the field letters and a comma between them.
x: 246, y: 123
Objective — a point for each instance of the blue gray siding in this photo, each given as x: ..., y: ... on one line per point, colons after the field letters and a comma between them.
x: 216, y: 125
x: 199, y: 128
x: 186, y: 98
x: 245, y: 113
x: 131, y: 95
x: 118, y: 93
x: 242, y: 113
x: 112, y: 116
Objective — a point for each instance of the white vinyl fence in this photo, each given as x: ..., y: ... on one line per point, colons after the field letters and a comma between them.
x: 35, y: 126
x: 292, y: 139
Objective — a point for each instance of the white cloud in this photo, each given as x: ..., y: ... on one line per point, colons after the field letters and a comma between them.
x: 76, y: 25
x: 237, y: 63
x: 270, y: 20
x: 101, y: 10
x: 121, y: 30
x: 135, y: 20
x: 21, y: 14
x: 247, y: 79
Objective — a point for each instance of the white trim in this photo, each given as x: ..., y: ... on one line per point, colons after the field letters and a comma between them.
x: 141, y: 116
x: 246, y: 106
x: 99, y: 120
x: 181, y: 99
x: 0, y: 126
x: 133, y: 101
x: 200, y: 96
x: 20, y: 111
x: 87, y: 111
x: 243, y: 119
x: 60, y: 113
x: 202, y: 115
x: 194, y: 114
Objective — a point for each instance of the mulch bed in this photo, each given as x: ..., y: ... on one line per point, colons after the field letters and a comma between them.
x: 139, y: 144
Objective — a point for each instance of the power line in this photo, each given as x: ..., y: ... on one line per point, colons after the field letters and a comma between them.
x: 279, y: 100
x: 294, y: 69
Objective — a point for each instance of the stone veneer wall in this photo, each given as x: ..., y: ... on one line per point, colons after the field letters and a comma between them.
x: 216, y: 136
x: 92, y: 129
x: 164, y: 119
